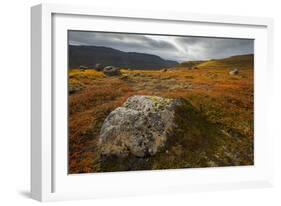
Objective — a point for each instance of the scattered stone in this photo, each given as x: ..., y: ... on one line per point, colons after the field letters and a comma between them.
x: 99, y: 67
x: 212, y: 164
x: 161, y: 87
x: 164, y: 70
x: 124, y: 77
x: 111, y: 71
x: 139, y: 127
x: 212, y: 76
x: 188, y: 86
x: 234, y: 72
x: 74, y: 88
x: 83, y: 68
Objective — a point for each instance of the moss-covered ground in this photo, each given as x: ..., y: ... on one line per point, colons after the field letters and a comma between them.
x: 215, y: 127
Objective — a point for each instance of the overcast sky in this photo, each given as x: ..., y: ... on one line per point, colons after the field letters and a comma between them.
x: 178, y: 48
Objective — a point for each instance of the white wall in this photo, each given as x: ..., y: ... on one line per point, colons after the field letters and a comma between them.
x: 14, y: 101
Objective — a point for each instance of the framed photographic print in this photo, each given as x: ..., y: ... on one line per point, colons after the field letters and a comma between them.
x: 137, y: 102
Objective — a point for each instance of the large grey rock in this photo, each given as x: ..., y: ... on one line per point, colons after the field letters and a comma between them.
x: 140, y: 127
x: 111, y: 71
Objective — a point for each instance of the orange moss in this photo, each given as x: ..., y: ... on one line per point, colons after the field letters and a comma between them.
x: 223, y: 99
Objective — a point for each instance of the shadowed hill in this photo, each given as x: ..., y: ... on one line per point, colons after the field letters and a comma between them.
x: 91, y: 55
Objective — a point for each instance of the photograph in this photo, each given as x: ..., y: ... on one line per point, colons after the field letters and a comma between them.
x: 155, y: 101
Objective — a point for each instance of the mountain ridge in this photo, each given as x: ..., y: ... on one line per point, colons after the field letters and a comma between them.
x: 91, y: 55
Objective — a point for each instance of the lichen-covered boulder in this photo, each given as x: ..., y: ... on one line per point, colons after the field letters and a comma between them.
x: 140, y: 127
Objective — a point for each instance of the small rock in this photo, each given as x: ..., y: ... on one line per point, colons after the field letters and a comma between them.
x: 212, y: 164
x: 234, y: 72
x: 73, y: 89
x: 83, y: 68
x: 111, y: 71
x: 212, y: 76
x: 99, y: 67
x: 124, y: 77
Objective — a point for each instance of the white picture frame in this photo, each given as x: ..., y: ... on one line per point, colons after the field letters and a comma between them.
x: 49, y: 178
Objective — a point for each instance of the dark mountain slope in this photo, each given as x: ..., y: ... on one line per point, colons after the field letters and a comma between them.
x: 91, y: 55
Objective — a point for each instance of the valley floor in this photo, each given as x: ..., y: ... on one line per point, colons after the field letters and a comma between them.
x: 225, y: 101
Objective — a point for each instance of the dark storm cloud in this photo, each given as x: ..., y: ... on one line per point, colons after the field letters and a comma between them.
x: 90, y: 38
x: 168, y: 47
x: 125, y: 42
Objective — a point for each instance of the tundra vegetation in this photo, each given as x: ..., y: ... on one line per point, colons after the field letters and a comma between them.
x: 215, y: 124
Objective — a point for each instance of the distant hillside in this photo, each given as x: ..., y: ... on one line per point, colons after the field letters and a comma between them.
x: 190, y: 63
x: 92, y: 55
x: 239, y: 62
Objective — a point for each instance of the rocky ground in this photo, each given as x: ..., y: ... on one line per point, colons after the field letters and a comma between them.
x: 214, y: 124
